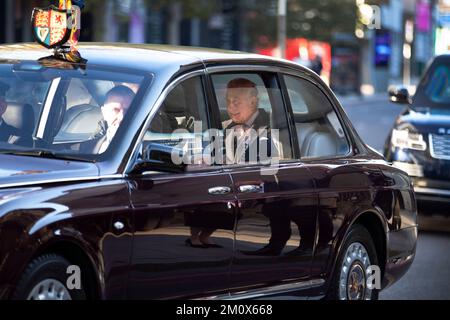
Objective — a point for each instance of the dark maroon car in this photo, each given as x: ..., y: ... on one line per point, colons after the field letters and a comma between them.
x: 95, y: 211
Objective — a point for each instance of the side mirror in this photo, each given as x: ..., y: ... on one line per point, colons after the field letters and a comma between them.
x: 158, y: 157
x: 399, y: 94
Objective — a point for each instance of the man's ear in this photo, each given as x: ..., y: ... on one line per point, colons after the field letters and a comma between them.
x: 255, y: 101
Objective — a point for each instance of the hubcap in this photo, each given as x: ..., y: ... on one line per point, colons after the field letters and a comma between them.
x: 49, y: 289
x: 353, y: 276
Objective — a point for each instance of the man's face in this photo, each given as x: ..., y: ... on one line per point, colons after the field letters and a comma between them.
x: 241, y: 105
x: 114, y: 110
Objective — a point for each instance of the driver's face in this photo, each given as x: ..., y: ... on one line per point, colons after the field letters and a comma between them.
x: 114, y: 110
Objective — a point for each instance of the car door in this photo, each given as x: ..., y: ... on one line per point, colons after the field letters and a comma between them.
x: 172, y: 210
x: 276, y: 222
x: 345, y: 182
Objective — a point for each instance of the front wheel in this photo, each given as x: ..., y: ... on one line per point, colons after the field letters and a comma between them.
x: 45, y: 278
x: 351, y: 274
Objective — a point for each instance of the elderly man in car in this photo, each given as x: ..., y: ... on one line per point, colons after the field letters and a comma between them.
x: 248, y: 125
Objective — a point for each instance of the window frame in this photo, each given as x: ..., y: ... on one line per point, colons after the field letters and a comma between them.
x: 267, y: 73
x: 202, y: 75
x: 43, y: 130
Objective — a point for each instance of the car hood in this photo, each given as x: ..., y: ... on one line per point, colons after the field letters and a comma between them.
x: 16, y: 171
x: 427, y: 120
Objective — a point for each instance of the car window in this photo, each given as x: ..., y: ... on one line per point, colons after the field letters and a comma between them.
x: 438, y: 88
x: 59, y: 107
x: 319, y: 131
x: 298, y: 104
x: 253, y: 116
x: 83, y: 113
x: 25, y: 92
x: 433, y: 91
x: 180, y: 124
x: 220, y: 87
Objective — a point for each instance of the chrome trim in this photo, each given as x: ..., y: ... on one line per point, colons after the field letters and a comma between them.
x: 250, y: 188
x: 47, y: 107
x: 219, y: 190
x: 269, y: 291
x: 432, y: 191
x: 118, y: 225
x: 112, y: 176
x: 49, y: 289
x: 432, y: 153
x: 40, y: 182
x: 284, y: 67
x: 240, y: 68
x: 155, y: 108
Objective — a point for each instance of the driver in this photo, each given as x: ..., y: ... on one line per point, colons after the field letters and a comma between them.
x: 116, y: 104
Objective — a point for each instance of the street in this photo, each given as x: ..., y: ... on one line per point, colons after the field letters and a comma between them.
x: 372, y: 117
x: 429, y: 276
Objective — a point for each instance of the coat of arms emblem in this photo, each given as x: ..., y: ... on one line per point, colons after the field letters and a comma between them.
x: 50, y: 26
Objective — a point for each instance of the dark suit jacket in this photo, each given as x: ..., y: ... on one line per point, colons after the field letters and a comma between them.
x: 93, y: 145
x: 12, y: 135
x: 262, y: 121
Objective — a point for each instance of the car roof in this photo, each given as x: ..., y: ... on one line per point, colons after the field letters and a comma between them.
x: 145, y: 57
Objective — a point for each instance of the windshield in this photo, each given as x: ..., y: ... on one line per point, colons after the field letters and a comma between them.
x: 57, y: 108
x: 434, y: 91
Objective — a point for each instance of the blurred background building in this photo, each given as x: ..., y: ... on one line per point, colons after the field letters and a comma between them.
x: 358, y: 46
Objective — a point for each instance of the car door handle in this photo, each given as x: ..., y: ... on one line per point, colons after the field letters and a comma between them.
x: 250, y: 188
x: 219, y: 190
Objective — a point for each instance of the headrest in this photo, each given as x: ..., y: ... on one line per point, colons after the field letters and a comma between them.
x: 83, y: 118
x: 175, y: 102
x: 20, y: 116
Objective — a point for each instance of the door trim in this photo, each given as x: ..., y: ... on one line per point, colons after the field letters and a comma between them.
x: 269, y: 291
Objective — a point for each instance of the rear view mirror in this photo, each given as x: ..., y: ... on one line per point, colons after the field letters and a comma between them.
x: 399, y: 94
x: 158, y: 157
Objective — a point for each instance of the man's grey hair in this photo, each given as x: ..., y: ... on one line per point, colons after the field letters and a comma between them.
x: 122, y: 92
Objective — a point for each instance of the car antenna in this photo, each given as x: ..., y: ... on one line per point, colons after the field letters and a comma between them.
x: 58, y: 28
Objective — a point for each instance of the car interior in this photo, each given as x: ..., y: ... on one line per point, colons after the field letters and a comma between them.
x: 178, y: 111
x: 319, y: 131
x: 317, y: 137
x: 183, y: 107
x: 267, y: 99
x: 77, y: 116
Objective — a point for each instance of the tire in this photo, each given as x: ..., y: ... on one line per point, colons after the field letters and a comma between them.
x: 357, y: 245
x: 45, y: 278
